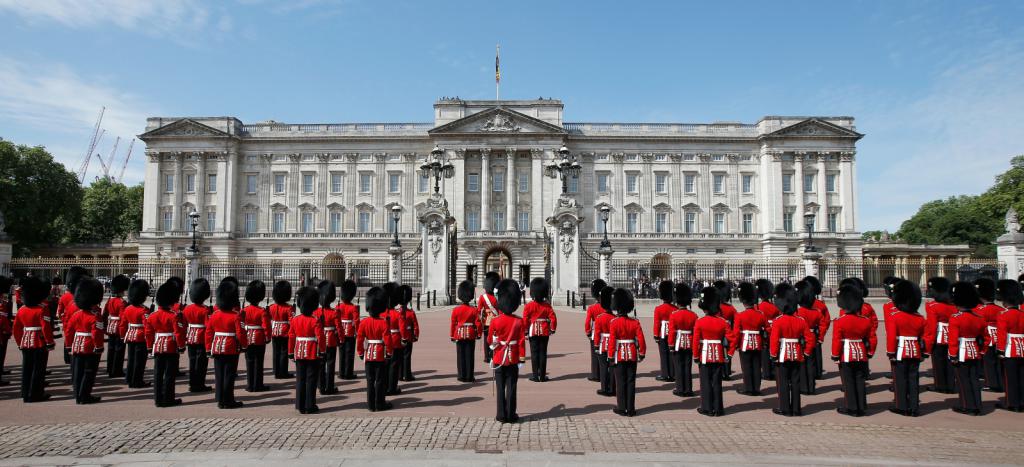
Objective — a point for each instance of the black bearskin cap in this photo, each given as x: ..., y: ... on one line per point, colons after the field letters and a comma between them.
x: 965, y: 296
x: 863, y: 286
x: 88, y: 294
x: 748, y: 294
x: 119, y: 284
x: 724, y: 290
x: 5, y: 284
x: 178, y: 282
x: 850, y: 298
x: 540, y: 289
x: 308, y: 297
x: 683, y: 295
x: 348, y: 291
x: 33, y: 291
x: 785, y: 298
x: 765, y: 289
x: 906, y: 296
x: 299, y: 294
x: 389, y: 288
x: 888, y: 284
x: 606, y: 298
x: 938, y: 289
x: 710, y: 300
x: 376, y: 301
x: 622, y: 302
x: 1020, y: 278
x: 230, y: 279
x: 167, y: 295
x: 986, y: 288
x: 491, y: 281
x: 665, y: 291
x: 509, y: 296
x: 815, y: 284
x: 74, y: 275
x: 855, y: 282
x: 327, y: 293
x: 466, y: 292
x: 406, y: 292
x: 56, y: 280
x: 227, y: 296
x: 1009, y: 292
x: 199, y: 292
x: 282, y: 292
x: 255, y: 292
x: 596, y: 287
x: 805, y: 295
x: 138, y: 292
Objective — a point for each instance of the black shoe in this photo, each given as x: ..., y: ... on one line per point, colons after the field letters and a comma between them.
x: 778, y: 411
x: 88, y: 400
x: 619, y: 412
x: 913, y: 413
x: 706, y: 413
x: 172, y: 403
x: 718, y: 413
x: 797, y: 413
x: 742, y: 392
x: 500, y: 420
x: 329, y: 392
x: 660, y: 378
x: 232, y: 405
x: 312, y: 410
x: 604, y: 393
x: 961, y: 410
x: 596, y: 380
x: 976, y: 412
x: 670, y: 380
x: 544, y: 379
x: 303, y: 411
x: 631, y: 413
x: 843, y: 411
x: 678, y: 393
x: 43, y: 398
x: 263, y: 388
x: 410, y: 378
x: 897, y: 411
x: 201, y: 389
x: 386, y: 406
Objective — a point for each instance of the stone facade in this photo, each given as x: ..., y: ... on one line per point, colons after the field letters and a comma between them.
x: 692, y: 191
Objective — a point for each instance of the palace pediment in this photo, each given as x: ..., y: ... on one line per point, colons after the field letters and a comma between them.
x: 497, y: 121
x: 814, y: 128
x: 186, y: 128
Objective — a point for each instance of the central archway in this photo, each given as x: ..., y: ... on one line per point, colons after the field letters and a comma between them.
x: 498, y: 259
x: 333, y: 268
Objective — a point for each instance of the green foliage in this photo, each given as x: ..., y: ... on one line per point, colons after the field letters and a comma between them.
x: 37, y: 192
x: 871, y: 235
x: 110, y: 211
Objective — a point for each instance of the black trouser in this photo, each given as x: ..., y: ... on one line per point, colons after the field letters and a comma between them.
x: 307, y: 372
x: 115, y: 356
x: 406, y: 363
x: 1013, y: 371
x: 683, y: 363
x: 808, y: 383
x: 165, y: 368
x: 819, y: 368
x: 625, y: 382
x: 711, y: 375
x: 666, y: 362
x: 3, y: 354
x: 968, y: 379
x: 942, y: 369
x: 347, y: 351
x: 464, y: 359
x: 854, y: 377
x: 33, y: 373
x: 394, y: 369
x: 605, y: 374
x: 279, y: 357
x: 326, y: 382
x: 750, y: 364
x: 727, y: 366
x: 225, y: 370
x: 83, y: 375
x: 376, y: 384
x: 767, y: 365
x: 906, y: 375
x: 197, y: 365
x: 539, y: 356
x: 67, y: 354
x: 505, y: 378
x: 595, y: 369
x: 787, y: 380
x: 488, y: 353
x: 254, y: 355
x: 993, y: 370
x: 137, y: 356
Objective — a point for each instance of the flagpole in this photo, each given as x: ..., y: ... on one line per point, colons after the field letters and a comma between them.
x: 497, y: 73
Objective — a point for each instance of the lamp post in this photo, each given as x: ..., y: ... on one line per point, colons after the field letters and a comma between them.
x: 811, y: 255
x: 605, y: 213
x: 438, y: 167
x: 567, y: 166
x: 809, y: 223
x: 604, y: 252
x: 193, y: 218
x: 192, y: 255
x: 396, y: 215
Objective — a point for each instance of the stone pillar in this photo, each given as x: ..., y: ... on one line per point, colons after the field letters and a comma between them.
x: 435, y: 246
x: 485, y: 189
x: 201, y: 187
x: 822, y: 193
x: 536, y: 189
x: 605, y: 264
x: 511, y: 190
x: 565, y: 252
x: 810, y: 261
x: 351, y: 187
x: 847, y: 197
x: 151, y: 194
x: 225, y: 182
x: 191, y: 268
x: 798, y: 191
x: 395, y: 264
x: 178, y: 187
x: 704, y: 183
x: 773, y: 192
x: 380, y: 221
x: 1010, y: 246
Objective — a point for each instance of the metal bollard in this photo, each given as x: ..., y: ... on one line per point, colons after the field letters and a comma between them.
x: 418, y: 301
x: 583, y: 301
x: 567, y: 298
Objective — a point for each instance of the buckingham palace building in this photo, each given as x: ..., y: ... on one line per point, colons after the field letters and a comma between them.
x: 723, y: 190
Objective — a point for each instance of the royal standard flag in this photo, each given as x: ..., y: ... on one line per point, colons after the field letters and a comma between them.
x: 497, y: 66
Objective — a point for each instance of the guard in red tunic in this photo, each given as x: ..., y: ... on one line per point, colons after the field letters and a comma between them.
x: 281, y: 314
x: 395, y: 317
x: 33, y: 332
x: 729, y: 314
x: 765, y: 292
x: 111, y: 317
x: 487, y: 306
x: 195, y: 316
x: 747, y: 333
x: 662, y: 313
x: 348, y: 321
x: 374, y: 343
x: 791, y: 345
x: 680, y: 340
x: 601, y: 337
x: 936, y: 333
x: 306, y: 345
x: 410, y: 333
x: 626, y: 350
x: 593, y: 311
x: 812, y: 316
x: 710, y: 338
x: 132, y: 331
x: 507, y: 339
x: 904, y: 336
x: 328, y: 317
x: 866, y: 310
x: 225, y: 339
x: 66, y: 305
x: 1010, y: 339
x: 967, y: 346
x: 888, y: 311
x: 165, y: 339
x: 6, y: 323
x: 992, y: 365
x: 825, y: 323
x: 256, y: 323
x: 465, y: 329
x: 541, y: 324
x: 853, y: 344
x: 85, y: 328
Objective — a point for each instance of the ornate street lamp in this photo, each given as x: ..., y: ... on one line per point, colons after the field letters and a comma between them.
x: 568, y: 166
x: 396, y: 214
x: 437, y: 166
x: 193, y: 218
x: 605, y: 213
x: 809, y: 224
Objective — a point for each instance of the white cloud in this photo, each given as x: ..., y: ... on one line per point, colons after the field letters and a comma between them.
x: 172, y: 18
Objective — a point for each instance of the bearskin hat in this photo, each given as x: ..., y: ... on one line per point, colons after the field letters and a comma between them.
x: 606, y: 298
x: 815, y: 284
x: 56, y: 280
x: 596, y: 287
x: 986, y: 288
x: 1020, y: 278
x: 540, y: 289
x: 964, y: 295
x: 376, y: 301
x: 622, y: 302
x: 786, y: 298
x: 683, y: 295
x: 863, y: 286
x: 327, y: 293
x: 805, y: 295
x: 199, y: 292
x: 888, y: 284
x: 308, y: 298
x: 509, y: 296
x: 765, y: 289
x: 348, y: 291
x: 282, y: 292
x: 491, y: 281
x: 119, y: 284
x: 724, y: 290
x: 178, y: 282
x: 33, y: 291
x: 227, y: 296
x: 710, y: 300
x: 138, y: 292
x: 906, y: 296
x: 167, y: 295
x: 255, y: 292
x: 938, y: 289
x: 88, y: 294
x: 406, y: 292
x: 665, y: 291
x: 5, y: 284
x: 748, y: 294
x: 1009, y: 292
x: 466, y: 292
x: 230, y: 279
x: 850, y: 298
x: 74, y: 275
x: 390, y: 289
x: 299, y: 294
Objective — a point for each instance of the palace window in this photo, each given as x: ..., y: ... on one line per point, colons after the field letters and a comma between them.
x: 279, y: 181
x: 748, y: 222
x: 473, y: 221
x: 336, y: 183
x: 808, y: 183
x: 660, y: 183
x: 632, y: 222
x: 391, y: 224
x: 602, y: 183
x: 574, y: 184
x: 830, y: 183
x: 833, y: 222
x: 250, y: 222
x: 689, y: 157
x: 168, y: 218
x: 787, y: 183
x: 211, y: 183
x: 498, y: 181
x: 250, y: 184
x: 364, y: 221
x: 719, y: 222
x: 718, y: 157
x: 424, y: 182
x: 211, y: 220
x: 498, y: 221
x: 524, y: 221
x: 190, y: 183
x: 690, y: 222
x: 787, y: 221
x: 335, y: 222
x: 632, y: 183
x: 748, y: 182
x: 169, y: 183
x: 524, y: 181
x: 307, y: 221
x: 365, y: 183
x: 690, y: 183
x: 473, y: 182
x: 394, y: 182
x: 277, y: 222
x: 718, y: 183
x: 307, y: 183
x: 661, y: 222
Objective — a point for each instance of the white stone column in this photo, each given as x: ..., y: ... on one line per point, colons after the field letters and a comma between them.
x: 224, y: 186
x: 151, y: 193
x: 179, y: 186
x: 773, y: 192
x: 323, y: 185
x: 511, y: 189
x: 704, y: 194
x: 618, y: 187
x: 733, y: 193
x: 605, y: 264
x: 351, y: 187
x: 798, y: 188
x: 395, y: 264
x: 231, y: 200
x: 457, y: 197
x: 847, y: 196
x: 536, y: 189
x: 647, y: 192
x: 485, y: 189
x: 201, y: 186
x: 822, y: 190
x: 382, y: 217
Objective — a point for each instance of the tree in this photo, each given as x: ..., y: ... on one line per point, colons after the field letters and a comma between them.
x: 37, y: 192
x: 954, y: 220
x: 1007, y: 192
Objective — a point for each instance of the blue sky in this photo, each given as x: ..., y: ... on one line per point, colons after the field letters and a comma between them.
x: 938, y: 87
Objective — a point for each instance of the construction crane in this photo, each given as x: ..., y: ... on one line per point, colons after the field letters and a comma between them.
x: 120, y: 177
x: 96, y: 135
x: 110, y: 160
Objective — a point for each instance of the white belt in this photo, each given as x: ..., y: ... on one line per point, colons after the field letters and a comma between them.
x: 711, y: 341
x: 605, y: 334
x: 197, y: 326
x: 165, y: 334
x: 542, y: 319
x: 113, y: 318
x: 901, y: 346
x: 853, y: 340
x: 224, y: 334
x: 751, y: 332
x: 507, y: 343
x: 275, y: 323
x: 305, y: 339
x: 790, y: 341
x: 468, y: 324
x: 625, y: 341
x: 249, y: 327
x: 82, y: 334
x: 346, y: 321
x: 1008, y: 336
x: 38, y: 328
x: 133, y: 325
x: 329, y: 328
x: 392, y: 331
x: 372, y: 341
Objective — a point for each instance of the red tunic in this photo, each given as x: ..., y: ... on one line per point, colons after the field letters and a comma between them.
x: 132, y: 326
x: 966, y: 337
x: 465, y: 323
x: 770, y: 312
x: 508, y: 340
x: 627, y: 339
x: 540, y: 319
x: 728, y: 312
x: 937, y: 329
x: 224, y: 333
x: 306, y: 340
x: 791, y: 339
x: 374, y: 341
x: 195, y: 317
x: 280, y: 319
x: 990, y: 312
x: 410, y: 325
x: 396, y: 322
x: 112, y: 315
x: 32, y: 328
x: 747, y: 330
x: 869, y: 312
x: 903, y: 335
x: 85, y: 331
x: 593, y: 311
x: 814, y: 321
x: 165, y: 332
x: 602, y: 332
x: 826, y: 318
x: 256, y: 322
x: 1010, y: 330
x: 329, y: 319
x: 348, y: 319
x: 680, y: 329
x: 661, y: 314
x: 485, y: 305
x: 853, y: 338
x: 65, y: 308
x: 709, y: 334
